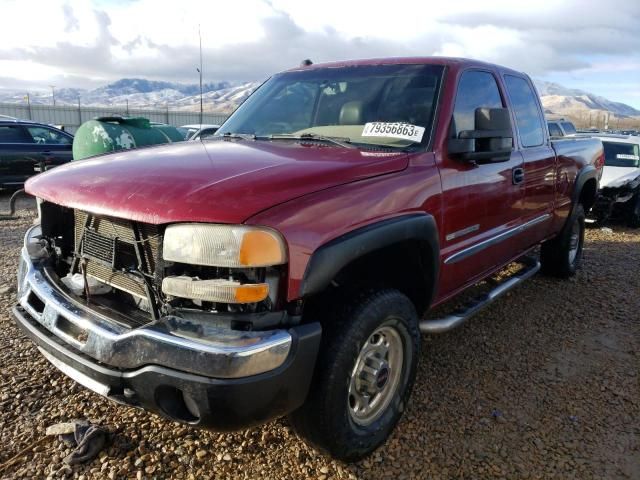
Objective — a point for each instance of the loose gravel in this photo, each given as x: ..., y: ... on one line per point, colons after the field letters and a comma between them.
x: 542, y: 384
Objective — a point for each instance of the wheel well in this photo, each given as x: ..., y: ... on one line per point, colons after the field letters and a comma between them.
x: 405, y: 266
x: 588, y: 194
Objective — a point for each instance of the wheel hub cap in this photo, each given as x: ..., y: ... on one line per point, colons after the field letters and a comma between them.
x: 376, y: 375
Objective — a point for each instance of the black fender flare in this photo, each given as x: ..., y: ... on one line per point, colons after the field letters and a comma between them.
x: 333, y: 256
x: 588, y: 172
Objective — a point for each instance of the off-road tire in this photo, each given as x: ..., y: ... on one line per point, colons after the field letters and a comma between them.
x: 556, y: 254
x: 326, y: 419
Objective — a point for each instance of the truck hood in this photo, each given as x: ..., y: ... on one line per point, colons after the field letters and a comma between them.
x: 224, y: 181
x: 615, y: 177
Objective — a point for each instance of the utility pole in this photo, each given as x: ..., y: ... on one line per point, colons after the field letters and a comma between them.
x: 29, y: 106
x: 53, y: 94
x: 200, y: 72
x: 127, y: 100
x: 79, y: 113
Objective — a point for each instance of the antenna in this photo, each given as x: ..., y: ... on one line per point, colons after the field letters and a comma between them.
x: 200, y: 72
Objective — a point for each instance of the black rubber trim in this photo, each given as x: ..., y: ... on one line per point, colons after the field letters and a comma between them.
x: 220, y: 404
x: 330, y: 258
x: 587, y: 173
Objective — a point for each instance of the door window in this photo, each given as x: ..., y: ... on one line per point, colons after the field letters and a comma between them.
x: 476, y: 90
x: 13, y: 134
x: 525, y: 106
x: 48, y: 136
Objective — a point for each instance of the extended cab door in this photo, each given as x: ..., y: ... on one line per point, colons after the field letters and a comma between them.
x: 539, y: 159
x: 482, y: 202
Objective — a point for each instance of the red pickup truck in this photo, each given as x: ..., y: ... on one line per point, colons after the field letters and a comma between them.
x: 282, y: 267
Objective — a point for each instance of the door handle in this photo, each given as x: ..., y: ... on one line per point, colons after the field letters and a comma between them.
x: 518, y: 175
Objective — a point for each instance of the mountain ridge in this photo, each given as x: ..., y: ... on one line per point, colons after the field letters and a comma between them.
x: 224, y: 96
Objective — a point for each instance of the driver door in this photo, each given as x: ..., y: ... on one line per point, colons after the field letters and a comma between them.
x: 483, y: 201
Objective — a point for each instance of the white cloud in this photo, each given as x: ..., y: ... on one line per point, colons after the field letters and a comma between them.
x: 68, y: 40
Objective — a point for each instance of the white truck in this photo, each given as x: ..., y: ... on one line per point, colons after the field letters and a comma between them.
x: 619, y: 194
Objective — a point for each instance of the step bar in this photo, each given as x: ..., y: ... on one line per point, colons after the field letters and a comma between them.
x: 457, y: 318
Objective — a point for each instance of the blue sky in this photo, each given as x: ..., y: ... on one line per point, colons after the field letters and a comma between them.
x: 587, y: 44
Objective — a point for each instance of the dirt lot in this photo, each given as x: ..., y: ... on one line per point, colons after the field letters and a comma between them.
x: 543, y: 384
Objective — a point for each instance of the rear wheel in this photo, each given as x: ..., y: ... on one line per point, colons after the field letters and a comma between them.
x: 561, y: 256
x: 364, y: 376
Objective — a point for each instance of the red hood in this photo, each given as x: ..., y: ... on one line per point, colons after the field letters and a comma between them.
x: 224, y: 181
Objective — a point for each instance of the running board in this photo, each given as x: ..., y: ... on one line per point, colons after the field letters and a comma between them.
x: 457, y: 318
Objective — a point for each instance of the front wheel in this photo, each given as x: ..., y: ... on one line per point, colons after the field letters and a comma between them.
x: 364, y: 376
x: 561, y: 256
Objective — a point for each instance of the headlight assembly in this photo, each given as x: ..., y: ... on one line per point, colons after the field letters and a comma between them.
x: 233, y: 246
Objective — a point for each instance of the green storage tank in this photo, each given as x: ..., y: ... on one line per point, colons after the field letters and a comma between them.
x: 109, y: 134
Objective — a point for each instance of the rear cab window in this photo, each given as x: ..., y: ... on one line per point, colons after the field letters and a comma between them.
x: 618, y: 154
x: 525, y: 107
x: 568, y: 128
x: 14, y: 134
x: 554, y: 130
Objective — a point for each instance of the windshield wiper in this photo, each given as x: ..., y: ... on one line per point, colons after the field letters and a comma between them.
x: 340, y: 141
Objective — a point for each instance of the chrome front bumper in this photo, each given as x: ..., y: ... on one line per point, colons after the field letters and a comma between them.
x: 171, y: 342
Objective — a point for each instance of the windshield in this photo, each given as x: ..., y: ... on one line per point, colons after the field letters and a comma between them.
x: 382, y: 105
x: 621, y: 154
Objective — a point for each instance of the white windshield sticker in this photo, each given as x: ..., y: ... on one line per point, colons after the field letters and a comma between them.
x: 624, y: 156
x: 394, y: 130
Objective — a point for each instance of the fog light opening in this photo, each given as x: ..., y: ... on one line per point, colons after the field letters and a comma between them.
x: 176, y: 404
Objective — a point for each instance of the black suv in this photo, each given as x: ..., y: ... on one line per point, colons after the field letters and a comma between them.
x: 27, y: 148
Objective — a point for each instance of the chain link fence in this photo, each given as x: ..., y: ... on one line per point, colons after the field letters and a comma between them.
x: 71, y: 117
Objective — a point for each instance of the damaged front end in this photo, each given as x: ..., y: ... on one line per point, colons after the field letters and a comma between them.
x: 193, y: 342
x: 619, y: 201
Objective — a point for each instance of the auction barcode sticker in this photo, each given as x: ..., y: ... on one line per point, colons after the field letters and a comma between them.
x: 405, y: 131
x: 625, y: 156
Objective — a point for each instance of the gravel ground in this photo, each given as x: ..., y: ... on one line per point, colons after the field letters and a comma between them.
x: 543, y: 384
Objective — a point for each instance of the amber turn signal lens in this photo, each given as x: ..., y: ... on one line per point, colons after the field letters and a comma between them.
x: 260, y: 247
x: 217, y: 290
x: 251, y: 293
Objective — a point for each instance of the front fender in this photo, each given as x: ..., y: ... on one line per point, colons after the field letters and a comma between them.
x: 330, y: 258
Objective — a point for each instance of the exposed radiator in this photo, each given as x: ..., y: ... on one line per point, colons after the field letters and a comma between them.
x: 110, y: 242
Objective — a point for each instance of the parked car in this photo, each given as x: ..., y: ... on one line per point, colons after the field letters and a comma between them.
x: 205, y: 132
x: 619, y: 194
x: 561, y: 128
x: 28, y: 147
x: 283, y: 267
x: 191, y: 130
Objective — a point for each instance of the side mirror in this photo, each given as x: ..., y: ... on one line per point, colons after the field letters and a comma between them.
x: 490, y: 141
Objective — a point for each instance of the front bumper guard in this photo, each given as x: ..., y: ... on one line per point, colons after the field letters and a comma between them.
x: 200, y: 349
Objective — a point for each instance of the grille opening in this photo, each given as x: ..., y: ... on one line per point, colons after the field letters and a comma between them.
x: 108, y: 246
x: 34, y: 302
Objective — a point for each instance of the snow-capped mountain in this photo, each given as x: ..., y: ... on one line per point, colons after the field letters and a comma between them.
x: 560, y: 100
x: 141, y: 93
x: 226, y: 96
